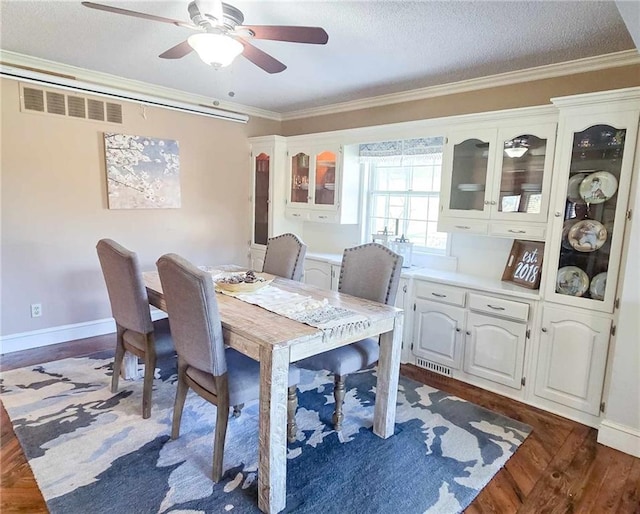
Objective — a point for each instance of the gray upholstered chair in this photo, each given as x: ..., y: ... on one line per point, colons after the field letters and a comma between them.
x: 220, y: 375
x: 370, y: 271
x: 135, y: 332
x: 285, y: 256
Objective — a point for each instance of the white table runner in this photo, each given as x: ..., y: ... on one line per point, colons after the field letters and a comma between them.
x: 333, y: 321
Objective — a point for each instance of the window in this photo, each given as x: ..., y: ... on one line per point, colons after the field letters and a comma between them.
x: 404, y: 191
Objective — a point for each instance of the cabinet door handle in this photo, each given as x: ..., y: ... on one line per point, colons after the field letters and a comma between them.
x: 295, y: 215
x: 404, y: 288
x: 439, y: 295
x: 468, y: 333
x: 464, y: 227
x: 457, y: 330
x: 558, y: 214
x: 495, y: 307
x: 544, y: 329
x: 517, y: 231
x: 322, y: 217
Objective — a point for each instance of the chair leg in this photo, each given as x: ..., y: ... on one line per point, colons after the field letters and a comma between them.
x: 149, y: 371
x: 119, y: 357
x: 222, y: 417
x: 237, y: 410
x: 292, y: 406
x: 338, y: 394
x: 181, y: 396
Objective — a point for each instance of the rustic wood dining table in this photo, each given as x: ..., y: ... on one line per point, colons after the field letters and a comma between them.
x: 276, y: 342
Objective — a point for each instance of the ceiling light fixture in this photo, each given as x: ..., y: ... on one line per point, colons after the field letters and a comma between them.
x: 216, y: 50
x: 516, y: 151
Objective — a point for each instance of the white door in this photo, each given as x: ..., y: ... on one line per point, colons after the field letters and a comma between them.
x: 438, y: 332
x: 572, y: 358
x: 495, y: 349
x: 317, y: 274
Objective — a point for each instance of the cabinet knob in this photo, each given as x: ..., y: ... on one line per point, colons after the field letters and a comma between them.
x: 544, y: 329
x: 468, y: 333
x: 457, y: 330
x: 487, y: 202
x: 558, y: 214
x: 404, y: 288
x: 493, y: 202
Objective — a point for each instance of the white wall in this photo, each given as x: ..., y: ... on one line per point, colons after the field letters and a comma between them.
x: 620, y: 428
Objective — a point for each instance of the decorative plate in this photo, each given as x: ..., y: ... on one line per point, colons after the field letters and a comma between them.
x: 572, y: 280
x: 587, y: 235
x: 573, y: 189
x: 565, y: 232
x: 598, y: 286
x: 598, y: 187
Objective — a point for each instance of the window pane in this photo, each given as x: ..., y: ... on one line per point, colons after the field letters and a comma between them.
x: 419, y: 207
x: 405, y: 197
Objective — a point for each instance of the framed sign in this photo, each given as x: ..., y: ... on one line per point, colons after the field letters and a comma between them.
x: 524, y: 265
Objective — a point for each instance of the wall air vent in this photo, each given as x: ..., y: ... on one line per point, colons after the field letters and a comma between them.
x: 56, y: 103
x: 33, y: 99
x: 433, y: 366
x: 68, y: 104
x: 76, y: 106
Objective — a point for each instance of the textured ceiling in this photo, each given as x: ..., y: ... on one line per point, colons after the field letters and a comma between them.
x: 374, y: 48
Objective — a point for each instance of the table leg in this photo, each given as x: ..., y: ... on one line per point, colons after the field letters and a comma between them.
x: 272, y: 449
x: 384, y: 416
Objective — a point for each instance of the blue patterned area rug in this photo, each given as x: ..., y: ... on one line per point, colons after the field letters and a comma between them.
x: 91, y: 451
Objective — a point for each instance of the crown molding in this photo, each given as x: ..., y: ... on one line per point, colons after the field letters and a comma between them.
x: 68, y: 72
x: 587, y: 64
x: 613, y: 60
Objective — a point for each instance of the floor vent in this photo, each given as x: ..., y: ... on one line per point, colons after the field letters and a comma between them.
x: 432, y: 366
x: 48, y: 101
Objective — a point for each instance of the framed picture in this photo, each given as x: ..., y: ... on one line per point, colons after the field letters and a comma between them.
x: 524, y: 265
x: 142, y: 172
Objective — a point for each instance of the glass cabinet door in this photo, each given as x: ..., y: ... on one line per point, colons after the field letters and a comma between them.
x: 325, y: 179
x: 261, y: 199
x: 470, y: 164
x: 524, y: 164
x: 300, y: 178
x: 590, y: 212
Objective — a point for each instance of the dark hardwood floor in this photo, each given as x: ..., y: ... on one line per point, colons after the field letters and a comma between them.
x: 560, y: 468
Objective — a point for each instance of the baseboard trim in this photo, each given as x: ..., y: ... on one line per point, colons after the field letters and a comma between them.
x: 62, y: 334
x: 620, y: 437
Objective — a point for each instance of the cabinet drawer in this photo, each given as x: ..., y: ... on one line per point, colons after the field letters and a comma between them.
x: 323, y: 217
x: 523, y: 231
x: 498, y: 307
x: 463, y: 225
x: 439, y: 293
x: 297, y: 214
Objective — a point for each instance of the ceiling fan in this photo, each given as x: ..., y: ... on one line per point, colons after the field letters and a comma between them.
x: 222, y: 36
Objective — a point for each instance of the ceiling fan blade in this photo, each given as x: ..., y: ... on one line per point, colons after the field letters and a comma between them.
x: 178, y: 51
x: 311, y: 35
x: 135, y: 14
x: 261, y: 59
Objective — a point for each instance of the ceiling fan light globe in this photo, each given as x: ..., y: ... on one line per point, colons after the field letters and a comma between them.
x: 216, y: 50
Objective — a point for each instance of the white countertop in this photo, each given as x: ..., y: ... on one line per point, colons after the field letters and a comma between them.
x: 488, y: 285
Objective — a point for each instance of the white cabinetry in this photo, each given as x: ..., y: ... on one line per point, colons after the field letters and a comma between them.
x: 496, y: 180
x: 321, y: 274
x: 572, y: 358
x: 268, y: 190
x: 323, y: 182
x: 479, y: 338
x: 438, y: 322
x: 494, y: 349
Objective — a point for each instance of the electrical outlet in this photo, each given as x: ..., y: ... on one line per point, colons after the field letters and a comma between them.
x: 36, y: 310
